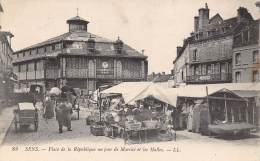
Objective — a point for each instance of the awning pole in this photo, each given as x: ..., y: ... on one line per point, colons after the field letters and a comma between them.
x: 254, y: 113
x: 226, y: 112
x: 232, y: 115
x: 207, y: 92
x: 247, y: 111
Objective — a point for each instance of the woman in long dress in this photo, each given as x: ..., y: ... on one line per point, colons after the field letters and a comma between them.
x: 49, y: 108
x: 190, y: 115
x: 196, y: 117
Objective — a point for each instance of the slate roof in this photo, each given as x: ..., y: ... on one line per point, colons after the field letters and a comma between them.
x: 77, y: 18
x: 103, y: 47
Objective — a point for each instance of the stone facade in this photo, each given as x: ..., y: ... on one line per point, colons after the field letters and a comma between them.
x: 246, y: 60
x: 206, y: 56
x: 6, y: 76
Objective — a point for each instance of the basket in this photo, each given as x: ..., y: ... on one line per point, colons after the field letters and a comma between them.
x: 97, y: 130
x: 133, y: 125
x: 150, y: 124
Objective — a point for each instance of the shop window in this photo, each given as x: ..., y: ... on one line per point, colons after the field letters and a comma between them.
x: 238, y: 58
x: 255, y: 76
x: 203, y: 69
x: 256, y: 56
x: 208, y: 69
x: 238, y: 77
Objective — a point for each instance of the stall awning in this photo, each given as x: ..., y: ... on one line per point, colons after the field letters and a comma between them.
x: 134, y: 91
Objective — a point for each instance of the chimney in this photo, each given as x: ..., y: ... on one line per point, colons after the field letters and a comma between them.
x: 179, y: 48
x: 243, y: 15
x: 203, y: 17
x: 196, y: 23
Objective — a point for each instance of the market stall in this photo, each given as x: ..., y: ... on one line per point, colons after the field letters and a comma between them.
x: 138, y: 109
x: 229, y: 113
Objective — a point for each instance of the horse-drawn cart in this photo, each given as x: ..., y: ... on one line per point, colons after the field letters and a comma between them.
x: 25, y: 115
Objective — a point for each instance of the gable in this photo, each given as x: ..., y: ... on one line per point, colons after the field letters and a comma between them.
x: 217, y: 19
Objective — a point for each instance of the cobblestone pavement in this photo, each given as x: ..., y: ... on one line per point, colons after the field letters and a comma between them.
x: 48, y: 132
x: 6, y: 117
x: 189, y: 144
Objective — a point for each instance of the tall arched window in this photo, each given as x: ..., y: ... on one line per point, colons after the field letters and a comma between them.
x: 119, y: 69
x: 91, y: 68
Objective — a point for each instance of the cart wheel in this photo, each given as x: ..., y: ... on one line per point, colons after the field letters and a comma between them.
x: 35, y: 125
x: 15, y: 126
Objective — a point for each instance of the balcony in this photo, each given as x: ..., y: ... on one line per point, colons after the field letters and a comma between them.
x: 212, y: 78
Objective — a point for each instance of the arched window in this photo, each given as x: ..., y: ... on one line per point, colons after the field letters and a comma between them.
x: 91, y: 68
x: 119, y: 69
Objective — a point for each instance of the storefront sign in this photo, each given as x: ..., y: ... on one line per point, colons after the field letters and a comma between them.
x: 205, y: 77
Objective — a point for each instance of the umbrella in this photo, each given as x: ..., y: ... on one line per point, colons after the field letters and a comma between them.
x: 55, y: 91
x: 66, y: 89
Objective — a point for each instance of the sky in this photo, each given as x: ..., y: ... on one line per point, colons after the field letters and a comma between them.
x: 157, y: 26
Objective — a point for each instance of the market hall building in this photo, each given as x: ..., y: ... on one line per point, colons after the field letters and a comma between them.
x: 79, y: 59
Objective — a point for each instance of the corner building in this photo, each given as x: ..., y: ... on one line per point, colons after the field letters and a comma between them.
x: 206, y: 56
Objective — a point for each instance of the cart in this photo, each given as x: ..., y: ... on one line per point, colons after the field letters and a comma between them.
x: 25, y: 115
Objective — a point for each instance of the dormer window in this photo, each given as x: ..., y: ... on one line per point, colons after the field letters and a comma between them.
x: 91, y: 44
x: 119, y: 45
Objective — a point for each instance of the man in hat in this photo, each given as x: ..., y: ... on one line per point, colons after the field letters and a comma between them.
x: 63, y: 113
x: 196, y: 116
x: 204, y: 119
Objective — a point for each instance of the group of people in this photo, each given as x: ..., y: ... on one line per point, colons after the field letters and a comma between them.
x: 198, y: 117
x: 62, y: 107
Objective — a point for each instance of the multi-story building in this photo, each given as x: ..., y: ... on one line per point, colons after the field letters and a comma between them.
x: 80, y: 59
x: 246, y: 46
x: 206, y: 56
x: 5, y: 64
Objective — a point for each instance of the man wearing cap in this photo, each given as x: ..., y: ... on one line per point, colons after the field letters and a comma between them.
x: 63, y: 113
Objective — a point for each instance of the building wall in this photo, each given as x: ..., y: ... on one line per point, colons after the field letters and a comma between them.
x: 212, y: 50
x: 180, y: 67
x: 215, y: 54
x: 5, y: 67
x: 212, y: 61
x: 246, y: 65
x: 80, y: 71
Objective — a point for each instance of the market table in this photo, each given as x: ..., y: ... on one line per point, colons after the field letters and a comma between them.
x: 230, y: 128
x: 129, y: 131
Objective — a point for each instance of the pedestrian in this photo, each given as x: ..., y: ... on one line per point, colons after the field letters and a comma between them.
x: 190, y: 116
x: 63, y: 113
x: 49, y: 108
x: 196, y: 116
x: 204, y: 119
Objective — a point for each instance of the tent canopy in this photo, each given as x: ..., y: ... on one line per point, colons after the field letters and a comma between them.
x: 134, y: 91
x: 199, y: 91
